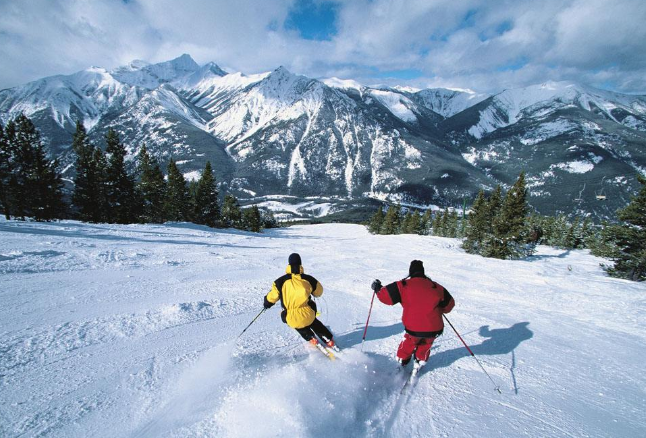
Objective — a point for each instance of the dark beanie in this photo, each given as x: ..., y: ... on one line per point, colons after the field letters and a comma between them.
x: 295, y: 262
x: 416, y: 267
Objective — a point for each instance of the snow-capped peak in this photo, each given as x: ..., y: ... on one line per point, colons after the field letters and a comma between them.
x: 136, y: 64
x: 280, y: 72
x: 406, y: 89
x: 447, y: 101
x: 204, y: 74
x: 282, y: 84
x: 152, y: 75
x: 509, y: 106
x: 343, y: 84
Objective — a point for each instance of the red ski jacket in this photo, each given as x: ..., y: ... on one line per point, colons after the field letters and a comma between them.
x: 423, y: 302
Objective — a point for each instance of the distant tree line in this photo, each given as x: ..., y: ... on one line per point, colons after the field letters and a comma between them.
x: 500, y: 225
x: 104, y: 189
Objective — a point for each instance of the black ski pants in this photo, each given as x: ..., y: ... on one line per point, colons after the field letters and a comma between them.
x: 316, y: 328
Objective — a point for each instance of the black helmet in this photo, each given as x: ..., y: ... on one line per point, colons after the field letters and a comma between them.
x: 294, y: 261
x: 416, y: 267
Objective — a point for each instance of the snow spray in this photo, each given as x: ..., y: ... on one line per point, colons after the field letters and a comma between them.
x: 197, y: 391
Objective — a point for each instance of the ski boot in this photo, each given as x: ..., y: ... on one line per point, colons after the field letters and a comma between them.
x: 418, y: 366
x: 402, y: 363
x: 331, y: 344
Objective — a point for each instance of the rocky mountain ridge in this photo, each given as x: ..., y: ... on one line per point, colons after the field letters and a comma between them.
x: 335, y: 140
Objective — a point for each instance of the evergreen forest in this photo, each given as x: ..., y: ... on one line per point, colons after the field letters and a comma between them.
x: 105, y: 190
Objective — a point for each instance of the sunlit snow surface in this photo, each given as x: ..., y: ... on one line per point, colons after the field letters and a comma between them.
x: 130, y: 331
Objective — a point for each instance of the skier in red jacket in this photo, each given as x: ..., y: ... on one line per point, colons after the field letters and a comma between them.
x: 423, y: 301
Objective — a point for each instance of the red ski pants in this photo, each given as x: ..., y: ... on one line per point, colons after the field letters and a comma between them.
x: 411, y: 344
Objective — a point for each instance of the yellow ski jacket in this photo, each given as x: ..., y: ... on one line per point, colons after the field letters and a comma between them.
x: 294, y: 292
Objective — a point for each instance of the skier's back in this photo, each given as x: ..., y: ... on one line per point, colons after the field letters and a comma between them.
x: 294, y: 290
x: 423, y: 301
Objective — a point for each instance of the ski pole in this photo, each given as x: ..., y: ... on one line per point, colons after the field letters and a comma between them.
x: 496, y: 387
x: 252, y: 321
x: 365, y: 330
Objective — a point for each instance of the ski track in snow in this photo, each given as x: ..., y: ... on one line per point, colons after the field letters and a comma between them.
x: 130, y: 331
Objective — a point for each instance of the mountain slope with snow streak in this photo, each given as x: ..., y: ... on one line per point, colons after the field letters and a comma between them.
x: 286, y: 132
x: 509, y: 106
x: 131, y: 331
x: 449, y: 102
x: 279, y: 133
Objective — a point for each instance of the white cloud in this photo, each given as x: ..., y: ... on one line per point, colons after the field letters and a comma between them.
x: 485, y: 46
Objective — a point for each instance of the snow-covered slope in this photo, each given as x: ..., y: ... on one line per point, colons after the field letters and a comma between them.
x: 449, y: 102
x: 131, y: 331
x: 509, y: 106
x: 286, y: 131
x: 151, y: 76
x: 397, y: 103
x: 85, y: 95
x: 89, y: 94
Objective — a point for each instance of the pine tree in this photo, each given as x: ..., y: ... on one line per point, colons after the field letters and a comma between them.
x: 494, y: 204
x: 536, y: 226
x: 376, y: 221
x: 462, y: 226
x: 251, y: 219
x: 443, y: 230
x: 22, y: 138
x: 416, y: 223
x: 35, y: 185
x: 407, y: 225
x: 231, y: 214
x: 544, y: 226
x: 89, y: 189
x: 5, y: 173
x: 100, y: 164
x: 151, y: 187
x: 478, y: 223
x: 207, y: 210
x: 558, y: 231
x: 630, y: 238
x: 605, y: 245
x: 176, y: 205
x: 452, y: 224
x: 573, y: 239
x: 268, y: 219
x: 510, y: 230
x: 425, y: 222
x: 490, y: 243
x: 46, y: 185
x: 587, y: 232
x: 391, y: 220
x: 191, y: 204
x: 437, y: 223
x: 122, y: 202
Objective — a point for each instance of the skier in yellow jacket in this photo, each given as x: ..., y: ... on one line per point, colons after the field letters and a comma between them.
x: 294, y: 291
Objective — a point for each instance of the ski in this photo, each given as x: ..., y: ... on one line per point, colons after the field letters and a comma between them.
x: 326, y: 351
x: 334, y: 351
x: 333, y: 348
x: 408, y: 384
x: 412, y: 378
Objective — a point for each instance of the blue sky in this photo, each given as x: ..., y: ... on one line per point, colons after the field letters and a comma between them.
x: 313, y: 20
x: 482, y: 45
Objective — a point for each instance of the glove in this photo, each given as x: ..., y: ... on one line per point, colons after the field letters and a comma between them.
x: 267, y: 304
x: 376, y: 286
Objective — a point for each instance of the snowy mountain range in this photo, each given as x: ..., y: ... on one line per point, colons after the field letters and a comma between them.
x: 343, y: 143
